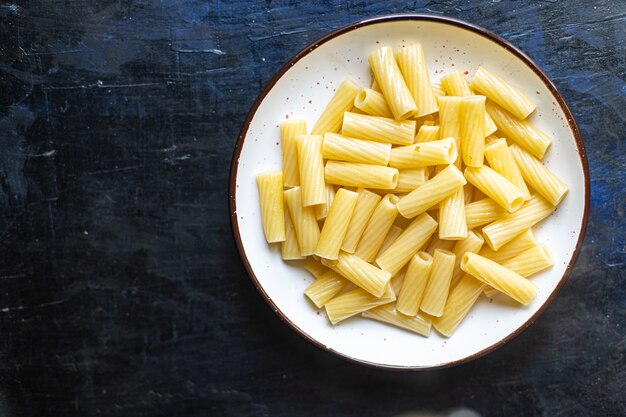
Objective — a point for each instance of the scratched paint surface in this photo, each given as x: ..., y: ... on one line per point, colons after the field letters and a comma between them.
x: 121, y: 291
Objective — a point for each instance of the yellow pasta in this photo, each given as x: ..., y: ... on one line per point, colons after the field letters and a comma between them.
x: 544, y: 181
x: 415, y: 280
x: 290, y: 130
x: 413, y: 67
x: 355, y: 302
x: 482, y: 212
x: 498, y: 188
x: 460, y: 301
x: 342, y: 148
x: 362, y: 274
x: 431, y: 192
x: 372, y: 102
x: 311, y: 170
x: 517, y: 245
x: 377, y: 228
x: 360, y: 175
x: 455, y: 84
x: 527, y: 263
x: 519, y: 131
x: 409, y: 179
x: 304, y: 221
x: 325, y: 288
x: 336, y: 224
x: 315, y: 268
x: 392, y: 84
x: 427, y: 133
x: 501, y: 160
x: 374, y: 86
x: 452, y: 224
x: 392, y: 235
x: 472, y: 130
x: 438, y: 90
x: 342, y: 101
x: 438, y: 286
x: 397, y: 281
x: 365, y: 205
x: 270, y: 186
x: 289, y: 249
x: 503, y: 93
x: 438, y: 152
x: 501, y: 231
x: 407, y: 244
x: 450, y: 121
x: 499, y: 277
x: 378, y: 129
x: 388, y: 314
x: 321, y: 210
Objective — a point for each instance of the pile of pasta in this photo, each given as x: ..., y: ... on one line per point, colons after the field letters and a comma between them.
x: 409, y: 200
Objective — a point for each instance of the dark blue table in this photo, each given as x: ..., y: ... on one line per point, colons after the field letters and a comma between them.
x: 121, y: 292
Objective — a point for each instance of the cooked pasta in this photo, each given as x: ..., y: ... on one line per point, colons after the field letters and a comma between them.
x: 304, y: 221
x: 270, y: 186
x: 496, y: 186
x: 355, y: 150
x: 482, y: 212
x: 327, y: 286
x: 372, y: 102
x: 452, y: 224
x: 311, y: 170
x: 460, y: 301
x: 361, y: 273
x: 342, y: 101
x: 438, y: 286
x: 336, y: 224
x: 413, y: 67
x: 365, y: 205
x: 438, y: 152
x: 392, y: 84
x: 355, y: 302
x: 501, y: 160
x: 388, y: 314
x: 414, y: 284
x: 378, y: 129
x: 503, y: 93
x: 377, y: 228
x: 360, y: 175
x: 290, y: 130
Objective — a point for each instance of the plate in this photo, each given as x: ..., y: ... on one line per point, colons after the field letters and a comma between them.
x: 301, y: 89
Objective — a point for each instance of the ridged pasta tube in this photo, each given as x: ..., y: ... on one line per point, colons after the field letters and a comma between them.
x: 501, y: 160
x: 378, y: 129
x: 342, y: 148
x: 304, y: 221
x: 438, y: 286
x: 342, y: 101
x: 497, y: 187
x: 270, y: 186
x: 372, y: 102
x: 311, y: 166
x: 413, y: 67
x: 388, y: 314
x: 365, y: 205
x: 503, y: 93
x: 360, y: 175
x: 336, y: 224
x: 438, y: 152
x: 290, y: 130
x: 415, y: 280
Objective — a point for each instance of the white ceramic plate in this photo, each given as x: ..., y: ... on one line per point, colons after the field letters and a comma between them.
x: 302, y: 88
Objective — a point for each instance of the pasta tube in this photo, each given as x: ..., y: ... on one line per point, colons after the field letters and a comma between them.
x: 521, y: 132
x: 427, y: 133
x: 377, y: 228
x: 452, y: 224
x: 397, y: 281
x: 431, y: 192
x: 311, y: 170
x: 501, y: 231
x: 342, y: 101
x: 519, y: 244
x: 270, y: 186
x: 438, y: 90
x: 372, y: 102
x: 289, y: 249
x: 409, y: 179
x: 450, y: 121
x: 325, y: 288
x: 407, y: 244
x: 362, y: 274
x: 304, y: 221
x: 472, y: 130
x: 499, y: 277
x: 355, y: 302
x: 365, y: 205
x: 413, y: 67
x: 544, y: 181
x: 354, y: 150
x: 503, y: 93
x: 438, y: 152
x: 436, y: 243
x: 461, y: 299
x: 321, y: 210
x: 388, y: 314
x: 527, y: 263
x: 482, y: 212
x: 289, y: 131
x: 378, y: 129
x: 438, y: 286
x: 392, y: 84
x: 336, y: 224
x: 361, y: 175
x: 501, y: 190
x: 501, y: 160
x: 415, y: 280
x: 455, y: 84
x: 314, y: 267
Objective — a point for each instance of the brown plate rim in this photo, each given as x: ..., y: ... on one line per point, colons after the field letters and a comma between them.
x: 232, y: 204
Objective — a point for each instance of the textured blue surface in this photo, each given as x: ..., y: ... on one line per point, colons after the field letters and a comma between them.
x: 121, y: 291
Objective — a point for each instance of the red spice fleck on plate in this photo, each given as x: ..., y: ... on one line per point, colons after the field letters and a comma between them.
x: 465, y: 72
x: 286, y: 116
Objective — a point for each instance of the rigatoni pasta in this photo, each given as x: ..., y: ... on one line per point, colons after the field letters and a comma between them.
x: 458, y: 234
